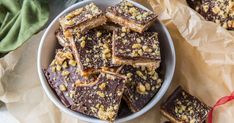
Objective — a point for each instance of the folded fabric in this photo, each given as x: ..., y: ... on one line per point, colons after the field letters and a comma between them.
x: 19, y: 20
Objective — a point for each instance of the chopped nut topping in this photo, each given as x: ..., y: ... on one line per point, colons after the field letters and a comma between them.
x: 105, y: 46
x: 72, y: 63
x: 53, y: 62
x: 136, y: 46
x: 93, y: 109
x: 159, y: 81
x: 216, y: 9
x: 108, y: 114
x: 155, y: 76
x: 62, y: 87
x: 139, y: 73
x: 72, y: 94
x: 205, y: 8
x: 74, y: 13
x: 64, y: 65
x: 153, y: 88
x: 87, y: 60
x: 102, y: 86
x: 129, y: 75
x: 129, y: 4
x: 125, y: 41
x: 147, y: 86
x: 65, y: 73
x: 53, y: 69
x: 140, y: 52
x: 58, y: 68
x: 133, y: 10
x: 97, y: 105
x: 99, y: 34
x: 141, y: 88
x: 82, y: 44
x: 123, y: 34
x: 124, y: 29
x: 119, y: 93
x: 101, y: 94
x: 134, y: 53
x: 105, y: 51
x: 67, y: 55
x: 138, y: 40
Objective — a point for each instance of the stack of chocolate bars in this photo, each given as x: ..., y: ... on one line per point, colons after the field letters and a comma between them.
x: 107, y: 57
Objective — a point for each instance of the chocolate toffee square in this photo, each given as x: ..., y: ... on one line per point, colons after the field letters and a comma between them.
x: 218, y: 11
x: 93, y: 50
x: 62, y: 75
x: 181, y: 107
x: 101, y: 100
x: 142, y: 84
x: 131, y: 48
x: 82, y: 19
x: 128, y: 15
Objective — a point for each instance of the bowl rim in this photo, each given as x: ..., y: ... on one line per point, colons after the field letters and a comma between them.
x: 81, y: 116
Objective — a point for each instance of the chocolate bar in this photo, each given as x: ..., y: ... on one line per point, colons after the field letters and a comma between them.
x: 101, y: 100
x: 128, y: 15
x: 218, y: 11
x: 62, y: 75
x: 181, y: 107
x: 142, y: 84
x: 61, y: 39
x: 93, y: 50
x: 82, y: 19
x: 133, y: 48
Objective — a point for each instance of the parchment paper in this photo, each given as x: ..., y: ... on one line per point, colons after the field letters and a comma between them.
x: 204, y: 68
x: 204, y: 53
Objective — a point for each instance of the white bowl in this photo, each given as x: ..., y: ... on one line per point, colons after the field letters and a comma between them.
x: 49, y: 43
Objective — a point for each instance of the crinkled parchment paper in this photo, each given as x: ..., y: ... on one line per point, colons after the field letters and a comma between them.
x: 204, y: 52
x: 204, y: 68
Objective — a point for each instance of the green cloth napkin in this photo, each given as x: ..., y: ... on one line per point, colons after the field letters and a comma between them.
x: 19, y: 20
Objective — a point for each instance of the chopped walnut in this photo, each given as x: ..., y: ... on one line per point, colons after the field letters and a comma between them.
x: 139, y: 73
x: 102, y: 86
x: 129, y: 75
x: 136, y: 46
x: 72, y: 63
x: 64, y: 65
x: 62, y: 87
x: 65, y: 73
x: 82, y: 44
x: 58, y: 68
x: 140, y: 88
x: 147, y: 86
x: 99, y: 34
x: 101, y: 94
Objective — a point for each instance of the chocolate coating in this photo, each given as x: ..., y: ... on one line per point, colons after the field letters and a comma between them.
x: 102, y: 99
x: 141, y: 86
x: 94, y: 49
x: 62, y: 75
x: 133, y: 45
x: 130, y: 12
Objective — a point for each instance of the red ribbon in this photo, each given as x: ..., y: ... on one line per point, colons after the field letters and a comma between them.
x: 221, y: 101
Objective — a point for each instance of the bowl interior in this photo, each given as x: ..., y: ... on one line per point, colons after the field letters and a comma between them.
x: 49, y: 44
